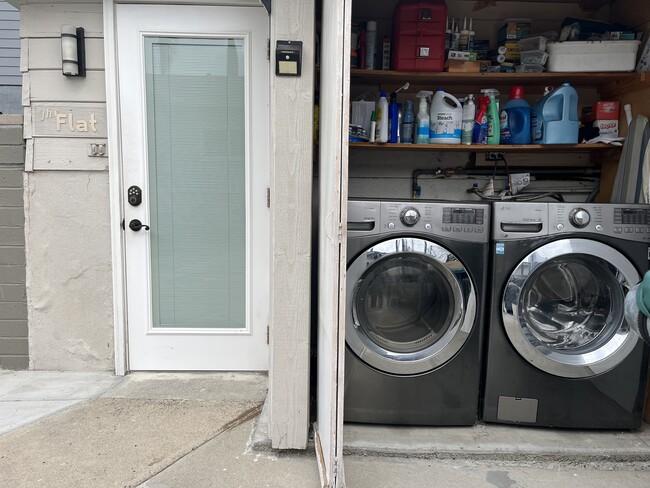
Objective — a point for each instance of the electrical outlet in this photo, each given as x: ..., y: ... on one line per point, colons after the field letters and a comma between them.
x: 519, y: 181
x: 494, y: 156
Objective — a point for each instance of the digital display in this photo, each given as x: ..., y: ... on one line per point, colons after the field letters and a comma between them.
x: 455, y: 215
x: 631, y: 216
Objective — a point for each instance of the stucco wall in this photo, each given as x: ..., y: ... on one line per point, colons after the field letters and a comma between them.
x: 69, y: 285
x: 69, y: 277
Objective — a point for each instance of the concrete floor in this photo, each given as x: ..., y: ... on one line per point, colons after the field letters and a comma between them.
x: 197, y: 430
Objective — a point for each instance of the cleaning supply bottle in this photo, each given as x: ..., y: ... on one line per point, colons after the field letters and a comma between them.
x: 422, y: 120
x: 556, y: 117
x: 481, y: 122
x: 382, y: 118
x: 408, y: 120
x: 469, y: 114
x: 393, y: 119
x: 446, y: 118
x: 515, y: 118
x: 494, y: 126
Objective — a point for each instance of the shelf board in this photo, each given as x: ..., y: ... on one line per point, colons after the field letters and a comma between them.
x: 484, y: 148
x: 376, y: 77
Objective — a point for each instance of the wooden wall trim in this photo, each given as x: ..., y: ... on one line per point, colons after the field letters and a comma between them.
x: 291, y: 202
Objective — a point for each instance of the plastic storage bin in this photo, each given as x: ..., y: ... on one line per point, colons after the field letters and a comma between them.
x: 533, y: 57
x: 537, y: 43
x: 419, y: 35
x: 592, y: 56
x: 530, y: 68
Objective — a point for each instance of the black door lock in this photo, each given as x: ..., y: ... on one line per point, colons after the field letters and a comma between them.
x: 134, y: 195
x: 136, y: 225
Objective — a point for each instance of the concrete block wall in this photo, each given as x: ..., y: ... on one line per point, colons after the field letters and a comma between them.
x: 14, y: 350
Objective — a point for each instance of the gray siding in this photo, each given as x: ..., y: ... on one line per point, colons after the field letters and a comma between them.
x: 9, y: 46
x: 14, y: 352
x: 11, y: 78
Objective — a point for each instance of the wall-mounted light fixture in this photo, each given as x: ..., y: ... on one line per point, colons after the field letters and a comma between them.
x: 73, y: 51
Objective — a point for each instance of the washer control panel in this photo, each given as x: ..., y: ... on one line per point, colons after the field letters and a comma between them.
x: 461, y: 221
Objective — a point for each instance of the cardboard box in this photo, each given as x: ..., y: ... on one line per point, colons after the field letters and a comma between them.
x: 513, y: 30
x: 602, y: 111
x: 457, y: 66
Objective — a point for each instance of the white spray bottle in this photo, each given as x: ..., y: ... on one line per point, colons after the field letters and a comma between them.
x: 422, y: 119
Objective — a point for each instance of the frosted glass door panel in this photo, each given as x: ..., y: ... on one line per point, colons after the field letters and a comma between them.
x: 196, y: 119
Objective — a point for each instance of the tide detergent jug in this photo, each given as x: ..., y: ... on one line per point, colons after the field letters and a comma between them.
x: 555, y: 117
x: 515, y: 118
x: 446, y: 119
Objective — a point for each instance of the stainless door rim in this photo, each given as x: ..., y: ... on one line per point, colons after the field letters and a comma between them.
x: 569, y: 364
x: 464, y: 314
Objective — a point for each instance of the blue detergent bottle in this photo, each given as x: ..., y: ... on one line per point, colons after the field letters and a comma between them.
x: 515, y: 118
x: 555, y: 117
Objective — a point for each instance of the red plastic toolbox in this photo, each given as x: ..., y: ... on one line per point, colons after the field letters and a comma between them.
x: 419, y: 35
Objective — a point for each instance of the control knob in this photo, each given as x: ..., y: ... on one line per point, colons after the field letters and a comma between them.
x: 579, y: 218
x: 409, y: 216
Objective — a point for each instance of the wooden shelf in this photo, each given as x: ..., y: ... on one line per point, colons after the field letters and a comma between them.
x: 484, y: 148
x: 598, y: 79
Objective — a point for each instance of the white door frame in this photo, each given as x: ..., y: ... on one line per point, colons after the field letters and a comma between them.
x: 114, y: 146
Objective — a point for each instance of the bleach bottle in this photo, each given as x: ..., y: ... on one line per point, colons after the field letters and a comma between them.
x: 446, y: 119
x: 515, y: 118
x: 555, y: 117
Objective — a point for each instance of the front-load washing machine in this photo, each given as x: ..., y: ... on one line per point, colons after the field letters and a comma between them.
x: 414, y: 312
x: 559, y: 351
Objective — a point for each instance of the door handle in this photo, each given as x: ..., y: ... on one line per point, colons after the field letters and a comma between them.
x: 136, y: 225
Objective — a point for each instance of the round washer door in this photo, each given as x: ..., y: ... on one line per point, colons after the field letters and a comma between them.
x: 410, y: 306
x: 563, y: 308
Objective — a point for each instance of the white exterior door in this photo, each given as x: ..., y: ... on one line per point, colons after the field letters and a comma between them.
x: 193, y: 98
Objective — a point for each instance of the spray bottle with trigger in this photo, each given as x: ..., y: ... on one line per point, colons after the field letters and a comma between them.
x: 422, y: 119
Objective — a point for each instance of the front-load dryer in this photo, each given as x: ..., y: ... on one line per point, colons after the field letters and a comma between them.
x: 414, y: 311
x: 560, y: 353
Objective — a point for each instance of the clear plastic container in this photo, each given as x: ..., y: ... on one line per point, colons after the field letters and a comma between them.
x: 533, y: 57
x: 530, y: 68
x: 537, y: 43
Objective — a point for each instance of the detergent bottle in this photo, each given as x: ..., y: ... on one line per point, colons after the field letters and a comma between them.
x: 422, y: 120
x: 494, y: 125
x: 445, y: 119
x: 556, y: 117
x: 515, y: 118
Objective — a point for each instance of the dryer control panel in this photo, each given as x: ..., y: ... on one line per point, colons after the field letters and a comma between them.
x: 624, y: 221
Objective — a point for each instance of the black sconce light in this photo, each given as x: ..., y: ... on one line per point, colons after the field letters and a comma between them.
x: 73, y: 51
